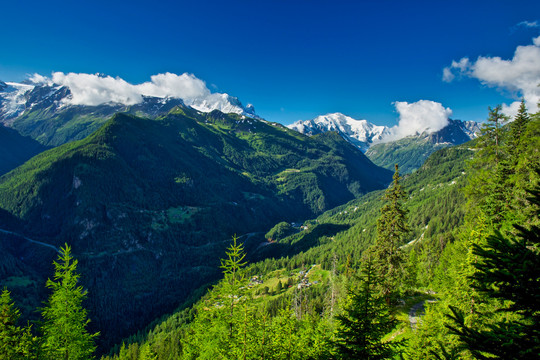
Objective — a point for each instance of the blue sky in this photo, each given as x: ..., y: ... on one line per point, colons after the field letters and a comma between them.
x: 291, y: 59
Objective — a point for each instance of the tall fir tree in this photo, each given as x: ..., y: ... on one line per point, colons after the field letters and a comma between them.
x: 517, y: 129
x: 392, y: 229
x: 231, y: 266
x: 492, y: 131
x: 15, y: 342
x: 65, y: 321
x: 507, y: 271
x: 365, y: 320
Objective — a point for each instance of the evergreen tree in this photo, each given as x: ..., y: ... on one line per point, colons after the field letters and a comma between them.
x: 65, y: 320
x: 15, y: 342
x: 517, y: 129
x: 491, y: 168
x: 365, y: 320
x: 391, y: 231
x: 231, y: 267
x: 508, y: 271
x: 492, y: 131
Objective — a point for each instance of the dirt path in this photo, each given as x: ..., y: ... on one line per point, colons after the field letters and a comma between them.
x: 30, y: 240
x: 416, y: 311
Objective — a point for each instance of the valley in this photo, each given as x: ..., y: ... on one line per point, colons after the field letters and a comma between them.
x: 147, y: 199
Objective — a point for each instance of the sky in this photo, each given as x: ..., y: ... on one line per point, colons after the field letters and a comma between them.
x: 292, y: 59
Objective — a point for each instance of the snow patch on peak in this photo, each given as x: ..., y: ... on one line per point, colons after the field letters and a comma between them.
x: 361, y: 133
x: 222, y: 102
x: 13, y: 100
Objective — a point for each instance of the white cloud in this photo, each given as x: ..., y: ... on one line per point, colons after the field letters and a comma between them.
x: 529, y: 24
x: 418, y: 117
x: 519, y: 75
x: 96, y: 89
x: 39, y: 79
x: 185, y: 86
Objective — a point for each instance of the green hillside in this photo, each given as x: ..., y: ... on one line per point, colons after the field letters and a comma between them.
x: 149, y: 205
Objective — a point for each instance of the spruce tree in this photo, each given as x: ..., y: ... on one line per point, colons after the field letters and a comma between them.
x: 65, y: 321
x: 517, y: 129
x: 366, y: 319
x: 15, y: 342
x: 392, y: 228
x: 231, y: 266
x: 508, y: 271
x: 492, y: 132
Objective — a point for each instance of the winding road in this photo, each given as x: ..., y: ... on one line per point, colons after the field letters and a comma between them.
x: 30, y: 240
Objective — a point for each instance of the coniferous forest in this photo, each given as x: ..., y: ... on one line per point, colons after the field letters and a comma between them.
x: 442, y: 264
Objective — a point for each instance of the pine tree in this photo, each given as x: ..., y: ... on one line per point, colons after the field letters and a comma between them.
x: 65, y: 320
x: 366, y: 319
x: 517, y: 129
x: 508, y: 271
x: 15, y: 342
x: 492, y: 131
x: 391, y: 231
x: 489, y: 188
x: 231, y: 267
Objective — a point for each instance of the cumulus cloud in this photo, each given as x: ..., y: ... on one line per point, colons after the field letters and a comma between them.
x: 96, y: 89
x: 418, y: 117
x: 185, y: 86
x: 520, y: 76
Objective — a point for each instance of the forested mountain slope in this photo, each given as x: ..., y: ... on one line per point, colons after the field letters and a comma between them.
x: 148, y: 205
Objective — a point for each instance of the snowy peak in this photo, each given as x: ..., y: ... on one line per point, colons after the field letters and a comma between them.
x: 361, y: 133
x: 16, y: 98
x: 364, y: 134
x: 12, y: 99
x: 455, y: 133
x: 222, y: 102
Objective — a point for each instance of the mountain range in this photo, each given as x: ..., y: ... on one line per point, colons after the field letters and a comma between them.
x: 409, y: 152
x: 45, y: 111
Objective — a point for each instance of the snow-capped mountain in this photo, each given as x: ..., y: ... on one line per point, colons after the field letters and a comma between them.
x: 50, y: 113
x: 13, y: 101
x: 455, y: 133
x: 360, y: 133
x: 364, y: 134
x: 16, y: 98
x: 410, y: 152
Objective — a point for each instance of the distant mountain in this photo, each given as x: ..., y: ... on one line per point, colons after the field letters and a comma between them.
x: 360, y: 133
x: 411, y: 152
x: 149, y: 205
x: 15, y: 149
x: 45, y: 113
